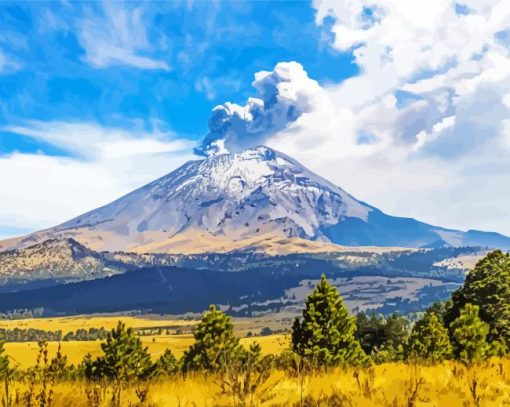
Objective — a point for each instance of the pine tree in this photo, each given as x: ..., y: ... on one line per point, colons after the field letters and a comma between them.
x: 4, y: 362
x: 382, y: 335
x: 487, y: 286
x: 167, y: 364
x: 469, y: 335
x: 58, y: 368
x: 124, y: 356
x: 88, y: 368
x: 326, y: 333
x: 369, y: 331
x: 215, y: 343
x: 440, y: 308
x: 429, y: 340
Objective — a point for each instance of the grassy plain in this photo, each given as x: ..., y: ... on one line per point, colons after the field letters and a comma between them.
x: 68, y: 324
x: 445, y: 385
x: 449, y: 384
x: 23, y: 354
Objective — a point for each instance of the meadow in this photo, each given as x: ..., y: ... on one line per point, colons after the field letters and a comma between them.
x: 23, y: 354
x: 389, y: 384
x: 448, y: 384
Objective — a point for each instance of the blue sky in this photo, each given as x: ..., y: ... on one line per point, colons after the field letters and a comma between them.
x: 404, y: 104
x: 201, y: 55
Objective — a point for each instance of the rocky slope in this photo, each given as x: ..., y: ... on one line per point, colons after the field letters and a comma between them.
x: 53, y: 259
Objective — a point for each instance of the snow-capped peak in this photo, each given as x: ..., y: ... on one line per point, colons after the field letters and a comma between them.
x: 232, y: 195
x: 258, y: 193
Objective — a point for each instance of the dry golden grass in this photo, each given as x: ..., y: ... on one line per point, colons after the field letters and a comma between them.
x: 72, y: 323
x: 448, y: 384
x: 189, y: 242
x: 68, y: 324
x: 23, y: 354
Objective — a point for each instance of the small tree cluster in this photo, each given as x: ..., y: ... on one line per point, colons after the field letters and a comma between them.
x: 215, y: 343
x: 475, y: 323
x: 92, y: 334
x: 488, y: 287
x: 167, y: 365
x: 429, y: 340
x: 325, y: 335
x: 124, y: 357
x: 382, y: 337
x: 29, y: 335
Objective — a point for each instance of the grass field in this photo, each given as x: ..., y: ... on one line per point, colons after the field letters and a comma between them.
x: 446, y: 385
x: 68, y: 324
x: 23, y: 354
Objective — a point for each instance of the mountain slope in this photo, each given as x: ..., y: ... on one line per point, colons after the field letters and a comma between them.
x: 229, y: 199
x: 406, y: 280
x: 64, y: 259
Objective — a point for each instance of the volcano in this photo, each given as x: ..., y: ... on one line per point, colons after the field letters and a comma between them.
x: 228, y: 201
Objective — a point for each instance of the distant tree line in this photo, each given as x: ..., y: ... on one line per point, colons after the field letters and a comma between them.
x: 29, y: 335
x: 164, y: 330
x: 91, y: 334
x: 36, y: 335
x: 22, y: 314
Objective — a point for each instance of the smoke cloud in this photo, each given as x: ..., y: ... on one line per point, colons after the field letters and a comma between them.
x: 285, y: 94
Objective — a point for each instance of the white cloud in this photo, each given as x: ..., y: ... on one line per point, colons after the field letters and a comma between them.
x: 431, y: 94
x: 118, y: 37
x: 41, y: 191
x: 8, y: 64
x: 422, y: 131
x: 91, y: 141
x: 448, y: 62
x: 210, y: 87
x: 505, y: 134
